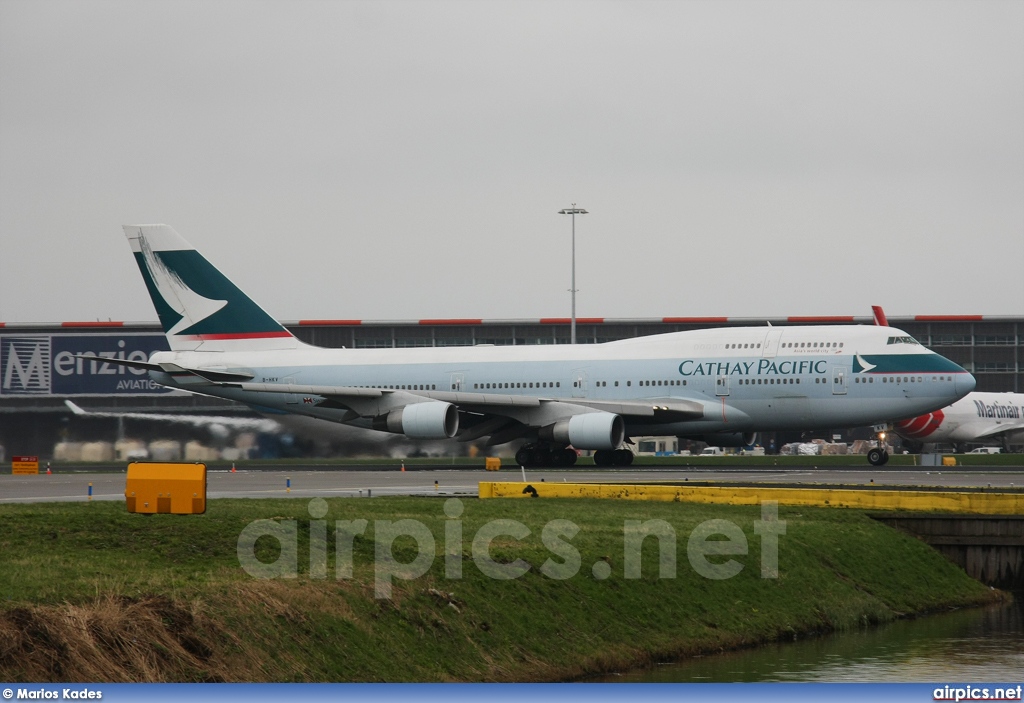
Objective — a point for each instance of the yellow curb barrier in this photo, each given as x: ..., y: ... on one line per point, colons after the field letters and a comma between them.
x: 867, y: 498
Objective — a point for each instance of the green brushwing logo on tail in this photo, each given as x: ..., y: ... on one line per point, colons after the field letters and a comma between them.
x: 194, y: 299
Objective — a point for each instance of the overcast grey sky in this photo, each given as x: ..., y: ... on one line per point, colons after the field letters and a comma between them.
x: 406, y: 160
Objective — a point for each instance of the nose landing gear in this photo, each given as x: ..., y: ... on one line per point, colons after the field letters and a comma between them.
x: 878, y: 456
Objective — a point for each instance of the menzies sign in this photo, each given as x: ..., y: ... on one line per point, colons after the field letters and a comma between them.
x: 48, y: 364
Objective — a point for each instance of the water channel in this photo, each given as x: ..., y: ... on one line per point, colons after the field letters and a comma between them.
x: 974, y: 645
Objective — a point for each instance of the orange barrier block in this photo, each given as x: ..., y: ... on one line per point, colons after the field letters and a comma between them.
x: 166, y: 488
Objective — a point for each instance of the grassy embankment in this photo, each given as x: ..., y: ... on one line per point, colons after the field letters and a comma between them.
x: 90, y: 592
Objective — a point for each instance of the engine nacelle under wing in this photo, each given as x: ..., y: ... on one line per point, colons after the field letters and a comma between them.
x: 587, y: 431
x: 431, y: 420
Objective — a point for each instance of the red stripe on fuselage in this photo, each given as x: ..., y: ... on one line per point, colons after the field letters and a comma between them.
x: 912, y: 427
x: 922, y: 426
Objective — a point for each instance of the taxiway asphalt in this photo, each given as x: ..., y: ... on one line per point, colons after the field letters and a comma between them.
x: 273, y: 483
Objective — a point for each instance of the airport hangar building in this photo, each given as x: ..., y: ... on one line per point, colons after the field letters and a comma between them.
x: 38, y: 368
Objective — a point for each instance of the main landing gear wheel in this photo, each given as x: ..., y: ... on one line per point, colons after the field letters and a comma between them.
x: 533, y: 455
x: 617, y: 457
x: 878, y: 457
x: 524, y: 457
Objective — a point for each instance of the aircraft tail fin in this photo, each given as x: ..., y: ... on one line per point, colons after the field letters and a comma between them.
x: 198, y: 307
x: 879, y: 315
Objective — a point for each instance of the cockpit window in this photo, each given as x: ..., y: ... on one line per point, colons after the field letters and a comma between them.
x: 902, y: 340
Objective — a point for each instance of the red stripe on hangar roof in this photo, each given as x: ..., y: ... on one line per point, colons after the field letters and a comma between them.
x: 240, y: 335
x: 820, y: 318
x: 949, y: 318
x: 92, y: 324
x: 568, y: 320
x: 693, y: 320
x: 330, y: 323
x: 451, y: 322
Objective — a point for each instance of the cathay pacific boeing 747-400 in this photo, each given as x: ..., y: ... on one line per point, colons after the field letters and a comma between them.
x: 717, y: 385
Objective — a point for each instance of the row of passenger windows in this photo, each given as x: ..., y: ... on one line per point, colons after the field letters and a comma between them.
x: 798, y: 345
x: 900, y: 379
x: 604, y: 384
x: 812, y: 345
x: 769, y: 381
x: 575, y: 384
x: 523, y: 384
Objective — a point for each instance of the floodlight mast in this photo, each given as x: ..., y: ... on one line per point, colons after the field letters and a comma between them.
x: 573, y: 211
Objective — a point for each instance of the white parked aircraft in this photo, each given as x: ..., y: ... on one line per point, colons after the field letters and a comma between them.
x: 218, y: 425
x: 978, y: 418
x: 717, y: 385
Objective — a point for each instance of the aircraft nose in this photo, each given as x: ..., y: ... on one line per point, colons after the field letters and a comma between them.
x: 964, y: 383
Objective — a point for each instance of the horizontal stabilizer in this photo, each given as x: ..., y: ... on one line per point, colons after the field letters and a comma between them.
x: 120, y: 362
x: 212, y: 375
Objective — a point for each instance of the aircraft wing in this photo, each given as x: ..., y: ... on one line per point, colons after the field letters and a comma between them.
x: 996, y: 430
x: 362, y: 401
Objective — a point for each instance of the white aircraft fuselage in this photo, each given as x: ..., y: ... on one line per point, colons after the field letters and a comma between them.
x: 744, y: 379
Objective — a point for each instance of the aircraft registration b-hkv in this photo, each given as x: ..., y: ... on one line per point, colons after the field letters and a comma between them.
x: 716, y: 385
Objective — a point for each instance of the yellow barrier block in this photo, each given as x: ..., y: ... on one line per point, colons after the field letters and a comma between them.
x: 872, y: 499
x: 949, y: 461
x: 492, y: 463
x: 166, y: 488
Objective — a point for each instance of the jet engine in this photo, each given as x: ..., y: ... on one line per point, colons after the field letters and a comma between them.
x: 588, y: 431
x: 431, y: 420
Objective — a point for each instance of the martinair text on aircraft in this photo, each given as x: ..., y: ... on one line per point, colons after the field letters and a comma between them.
x: 997, y: 410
